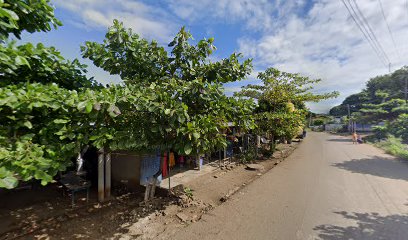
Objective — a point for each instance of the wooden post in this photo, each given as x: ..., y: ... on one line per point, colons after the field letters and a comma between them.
x: 198, y: 162
x: 257, y: 144
x: 101, y: 175
x: 153, y: 188
x: 168, y: 168
x: 219, y: 159
x: 108, y: 164
x: 148, y: 189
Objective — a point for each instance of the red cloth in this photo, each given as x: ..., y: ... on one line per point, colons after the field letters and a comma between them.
x: 181, y: 159
x: 164, y: 166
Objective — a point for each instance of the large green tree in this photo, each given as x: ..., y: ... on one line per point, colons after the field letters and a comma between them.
x: 377, y: 91
x: 43, y: 126
x: 189, y: 110
x: 137, y: 60
x: 281, y: 98
x: 48, y: 112
x: 42, y: 122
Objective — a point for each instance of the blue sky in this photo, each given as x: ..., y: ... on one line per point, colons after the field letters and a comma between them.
x: 315, y: 38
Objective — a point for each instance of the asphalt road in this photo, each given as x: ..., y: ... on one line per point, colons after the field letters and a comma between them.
x: 327, y: 189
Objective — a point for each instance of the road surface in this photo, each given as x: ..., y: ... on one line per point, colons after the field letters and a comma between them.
x: 327, y: 189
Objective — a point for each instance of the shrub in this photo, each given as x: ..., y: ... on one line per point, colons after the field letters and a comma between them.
x: 399, y: 127
x: 380, y: 132
x: 318, y: 122
x: 394, y: 146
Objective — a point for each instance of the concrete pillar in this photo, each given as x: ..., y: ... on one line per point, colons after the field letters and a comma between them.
x: 108, y: 164
x: 101, y: 175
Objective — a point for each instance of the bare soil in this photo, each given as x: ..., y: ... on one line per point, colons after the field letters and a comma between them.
x: 50, y: 216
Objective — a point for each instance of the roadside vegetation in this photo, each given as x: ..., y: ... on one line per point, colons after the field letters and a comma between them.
x: 171, y: 97
x: 382, y: 103
x: 394, y: 146
x: 281, y: 111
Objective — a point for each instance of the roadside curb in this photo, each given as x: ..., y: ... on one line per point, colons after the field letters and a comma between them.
x: 233, y: 191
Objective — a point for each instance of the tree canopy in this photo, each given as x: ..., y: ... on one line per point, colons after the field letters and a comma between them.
x: 172, y: 97
x: 175, y: 100
x: 383, y: 91
x: 383, y: 100
x: 183, y: 78
x: 29, y: 63
x: 43, y: 120
x: 137, y: 60
x: 29, y: 15
x: 281, y: 98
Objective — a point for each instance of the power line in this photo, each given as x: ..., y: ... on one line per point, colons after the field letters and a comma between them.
x: 363, y: 31
x: 371, y: 31
x: 406, y: 4
x: 368, y: 33
x: 389, y: 29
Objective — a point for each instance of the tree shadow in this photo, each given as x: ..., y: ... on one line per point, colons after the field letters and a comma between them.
x: 54, y: 218
x: 339, y: 140
x: 371, y: 226
x: 377, y: 166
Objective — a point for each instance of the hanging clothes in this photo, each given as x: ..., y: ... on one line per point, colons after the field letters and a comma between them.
x: 181, y: 161
x: 172, y: 160
x: 164, y: 166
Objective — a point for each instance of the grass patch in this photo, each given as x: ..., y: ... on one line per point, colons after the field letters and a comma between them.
x: 394, y: 146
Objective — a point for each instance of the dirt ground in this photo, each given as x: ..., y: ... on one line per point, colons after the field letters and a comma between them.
x: 328, y: 189
x: 50, y: 216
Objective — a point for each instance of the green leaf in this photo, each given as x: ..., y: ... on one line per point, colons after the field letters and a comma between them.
x: 97, y: 106
x: 28, y: 124
x: 89, y: 107
x: 188, y: 148
x: 93, y: 138
x: 114, y: 111
x: 8, y: 182
x: 21, y: 61
x: 81, y: 106
x: 196, y: 135
x: 61, y: 121
x: 167, y: 111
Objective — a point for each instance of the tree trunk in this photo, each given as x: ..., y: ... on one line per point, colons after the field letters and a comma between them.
x: 272, y: 144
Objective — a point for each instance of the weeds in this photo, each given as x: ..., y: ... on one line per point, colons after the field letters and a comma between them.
x: 247, y: 156
x: 394, y: 146
x: 188, y: 192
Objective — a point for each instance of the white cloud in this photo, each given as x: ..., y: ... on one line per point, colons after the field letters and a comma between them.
x: 322, y: 43
x: 145, y: 20
x: 254, y: 14
x: 327, y: 44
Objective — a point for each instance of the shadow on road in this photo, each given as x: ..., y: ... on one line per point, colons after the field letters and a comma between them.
x: 368, y: 226
x: 339, y: 140
x: 382, y: 167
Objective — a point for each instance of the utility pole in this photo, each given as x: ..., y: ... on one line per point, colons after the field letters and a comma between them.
x: 406, y: 89
x: 349, y: 117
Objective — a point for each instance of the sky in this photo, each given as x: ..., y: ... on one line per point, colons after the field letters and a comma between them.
x: 316, y: 38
